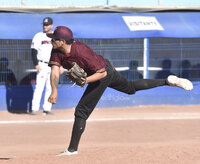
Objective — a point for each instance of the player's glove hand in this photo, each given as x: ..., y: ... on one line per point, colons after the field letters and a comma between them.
x: 77, y: 75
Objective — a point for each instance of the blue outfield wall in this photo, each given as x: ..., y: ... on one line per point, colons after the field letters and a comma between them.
x: 18, y: 99
x: 105, y: 25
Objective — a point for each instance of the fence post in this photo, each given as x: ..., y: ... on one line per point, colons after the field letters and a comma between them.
x: 22, y: 2
x: 107, y: 2
x: 146, y: 58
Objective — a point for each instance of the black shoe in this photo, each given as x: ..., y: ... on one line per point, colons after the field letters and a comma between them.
x: 33, y: 113
x: 47, y: 113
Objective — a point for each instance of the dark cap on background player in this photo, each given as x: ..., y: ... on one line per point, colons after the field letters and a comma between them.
x: 62, y: 32
x: 47, y: 21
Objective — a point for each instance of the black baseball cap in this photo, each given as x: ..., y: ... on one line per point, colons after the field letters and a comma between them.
x: 47, y: 21
x: 61, y: 32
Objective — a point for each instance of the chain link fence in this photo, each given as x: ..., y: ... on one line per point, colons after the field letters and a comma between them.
x: 179, y: 56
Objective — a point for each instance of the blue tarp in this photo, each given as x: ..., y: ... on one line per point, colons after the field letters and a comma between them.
x: 100, y: 25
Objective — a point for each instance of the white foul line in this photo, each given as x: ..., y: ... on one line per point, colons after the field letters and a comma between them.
x: 179, y: 116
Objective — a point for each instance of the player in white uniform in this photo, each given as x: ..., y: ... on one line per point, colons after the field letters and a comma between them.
x: 41, y: 50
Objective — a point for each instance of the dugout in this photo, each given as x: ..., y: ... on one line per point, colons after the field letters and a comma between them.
x: 120, y: 37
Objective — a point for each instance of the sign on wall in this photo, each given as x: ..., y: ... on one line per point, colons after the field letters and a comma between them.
x: 138, y: 23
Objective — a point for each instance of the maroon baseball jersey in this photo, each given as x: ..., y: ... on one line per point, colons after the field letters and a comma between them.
x: 83, y: 55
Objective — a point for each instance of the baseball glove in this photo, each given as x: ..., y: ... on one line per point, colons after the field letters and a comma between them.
x: 77, y: 75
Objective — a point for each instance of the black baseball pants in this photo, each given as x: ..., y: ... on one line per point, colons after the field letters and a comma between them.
x: 94, y: 92
x: 114, y: 80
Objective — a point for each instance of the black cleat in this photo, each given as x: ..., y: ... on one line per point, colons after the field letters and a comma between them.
x: 47, y: 113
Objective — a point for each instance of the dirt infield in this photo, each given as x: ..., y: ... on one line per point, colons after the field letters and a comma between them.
x: 130, y: 135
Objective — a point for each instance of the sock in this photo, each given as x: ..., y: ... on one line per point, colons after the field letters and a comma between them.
x: 78, y: 129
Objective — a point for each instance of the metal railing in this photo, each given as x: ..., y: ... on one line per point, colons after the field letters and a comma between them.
x: 102, y: 2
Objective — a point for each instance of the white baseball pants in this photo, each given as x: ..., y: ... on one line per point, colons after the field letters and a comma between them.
x: 42, y: 82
